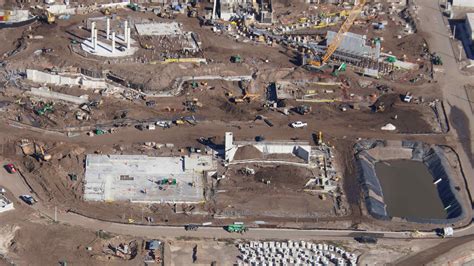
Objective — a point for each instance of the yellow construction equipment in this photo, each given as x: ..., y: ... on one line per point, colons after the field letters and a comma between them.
x: 303, y: 20
x: 40, y: 154
x: 50, y: 18
x: 332, y: 47
x: 324, y: 25
x: 179, y: 122
x: 317, y: 100
x: 184, y: 60
x: 147, y: 46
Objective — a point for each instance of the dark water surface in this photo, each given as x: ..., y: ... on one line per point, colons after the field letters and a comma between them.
x: 408, y: 190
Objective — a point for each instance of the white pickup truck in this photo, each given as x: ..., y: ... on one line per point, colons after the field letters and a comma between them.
x: 299, y: 124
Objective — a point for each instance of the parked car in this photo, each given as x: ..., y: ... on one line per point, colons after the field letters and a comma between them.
x: 10, y: 168
x: 299, y: 124
x: 259, y: 138
x: 28, y: 199
x: 163, y: 124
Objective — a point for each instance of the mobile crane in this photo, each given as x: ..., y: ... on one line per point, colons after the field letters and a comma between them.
x: 332, y: 47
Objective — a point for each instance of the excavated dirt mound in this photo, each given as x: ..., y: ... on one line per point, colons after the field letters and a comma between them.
x: 248, y: 152
x: 237, y: 112
x: 284, y: 176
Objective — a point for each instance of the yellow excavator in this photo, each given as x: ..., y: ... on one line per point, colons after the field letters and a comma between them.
x: 332, y: 47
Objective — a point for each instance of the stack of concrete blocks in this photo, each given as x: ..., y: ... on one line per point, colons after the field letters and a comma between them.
x: 293, y: 253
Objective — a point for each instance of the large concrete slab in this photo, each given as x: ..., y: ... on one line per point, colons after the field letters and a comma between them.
x: 136, y: 178
x: 159, y: 29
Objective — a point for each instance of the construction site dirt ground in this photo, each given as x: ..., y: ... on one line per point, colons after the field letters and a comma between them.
x: 27, y: 238
x: 52, y: 183
x: 240, y: 195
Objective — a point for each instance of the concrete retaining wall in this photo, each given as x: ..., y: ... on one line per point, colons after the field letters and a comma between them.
x: 45, y: 93
x: 60, y: 80
x: 61, y: 9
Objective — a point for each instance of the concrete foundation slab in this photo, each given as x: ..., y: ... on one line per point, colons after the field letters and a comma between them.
x: 105, y: 49
x: 139, y: 178
x: 159, y: 29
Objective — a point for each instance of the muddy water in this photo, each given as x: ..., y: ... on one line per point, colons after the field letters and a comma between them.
x: 408, y: 190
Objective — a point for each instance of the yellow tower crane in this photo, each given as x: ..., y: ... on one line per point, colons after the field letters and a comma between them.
x: 332, y: 47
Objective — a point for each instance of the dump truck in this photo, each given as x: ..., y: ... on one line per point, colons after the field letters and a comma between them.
x: 236, y: 228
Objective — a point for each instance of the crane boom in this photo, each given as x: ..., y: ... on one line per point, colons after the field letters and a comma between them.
x: 332, y: 47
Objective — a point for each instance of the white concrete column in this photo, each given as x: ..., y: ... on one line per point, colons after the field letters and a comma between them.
x: 113, y: 42
x: 214, y: 8
x: 92, y: 34
x: 125, y: 30
x: 108, y: 29
x: 95, y: 39
x: 128, y: 38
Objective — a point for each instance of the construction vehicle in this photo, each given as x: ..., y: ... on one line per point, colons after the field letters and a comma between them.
x: 408, y: 97
x: 134, y: 6
x: 436, y: 60
x: 332, y: 47
x: 184, y: 60
x: 445, y: 232
x: 341, y: 68
x: 39, y: 153
x: 380, y: 108
x: 192, y: 12
x: 190, y: 119
x: 45, y: 108
x: 193, y: 105
x: 323, y: 25
x: 366, y: 239
x: 391, y: 59
x: 191, y: 227
x: 50, y: 17
x: 248, y: 97
x: 179, y: 122
x: 106, y: 11
x: 99, y: 131
x: 320, y: 138
x: 147, y: 46
x: 236, y: 59
x: 236, y: 228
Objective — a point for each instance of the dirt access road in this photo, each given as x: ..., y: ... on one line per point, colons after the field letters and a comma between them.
x: 452, y: 81
x: 15, y: 184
